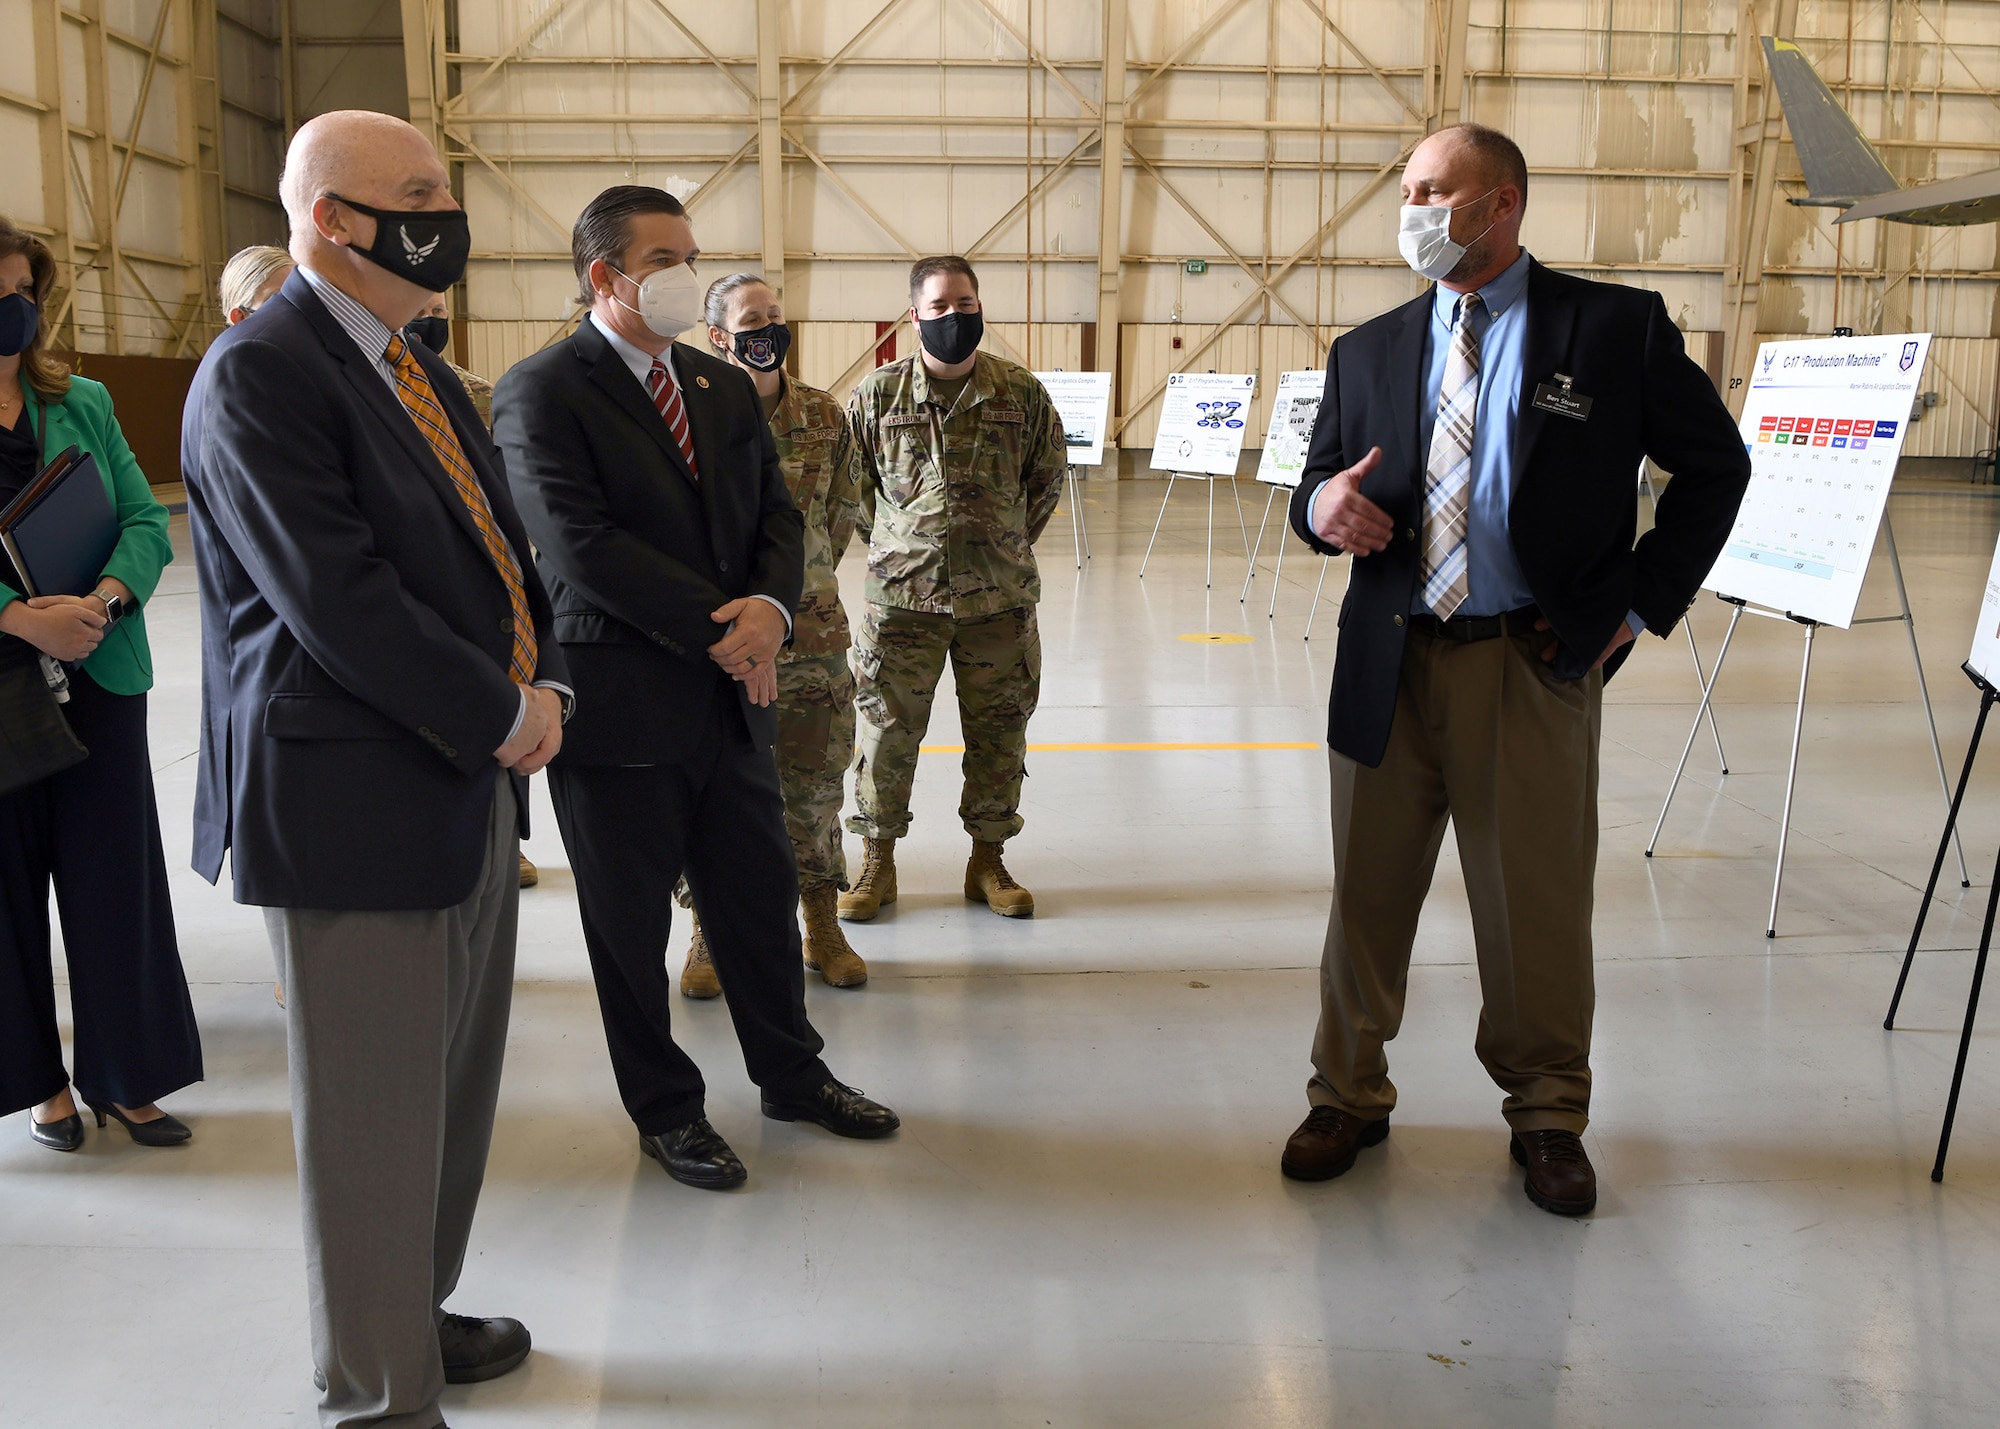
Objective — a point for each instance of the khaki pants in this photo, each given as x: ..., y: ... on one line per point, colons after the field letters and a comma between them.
x: 899, y: 657
x: 1486, y: 737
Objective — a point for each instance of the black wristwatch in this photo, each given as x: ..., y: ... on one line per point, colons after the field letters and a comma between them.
x: 115, y: 608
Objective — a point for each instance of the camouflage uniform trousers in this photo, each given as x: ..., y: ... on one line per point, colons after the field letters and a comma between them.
x: 899, y: 657
x: 815, y: 744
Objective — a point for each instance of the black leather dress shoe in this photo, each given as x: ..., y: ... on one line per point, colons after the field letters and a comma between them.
x: 474, y: 1350
x: 839, y: 1108
x: 696, y: 1155
x: 63, y: 1135
x: 1560, y: 1178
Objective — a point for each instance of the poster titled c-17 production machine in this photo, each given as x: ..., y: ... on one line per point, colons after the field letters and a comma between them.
x: 1202, y: 421
x: 1824, y: 422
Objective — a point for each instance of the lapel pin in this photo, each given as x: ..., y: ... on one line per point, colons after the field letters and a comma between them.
x: 701, y: 382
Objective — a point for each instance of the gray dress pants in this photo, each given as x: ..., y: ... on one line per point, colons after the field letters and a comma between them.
x: 397, y: 1023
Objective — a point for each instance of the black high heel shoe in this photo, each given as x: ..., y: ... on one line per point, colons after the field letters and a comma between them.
x: 64, y: 1135
x: 164, y: 1130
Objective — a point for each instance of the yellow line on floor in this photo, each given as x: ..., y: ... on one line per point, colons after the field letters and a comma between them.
x: 1118, y: 748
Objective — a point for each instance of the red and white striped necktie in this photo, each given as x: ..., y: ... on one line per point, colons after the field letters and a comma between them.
x: 667, y: 397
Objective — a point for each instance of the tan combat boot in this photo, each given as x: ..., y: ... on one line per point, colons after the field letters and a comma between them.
x: 698, y: 973
x: 529, y: 874
x: 988, y: 881
x: 875, y: 889
x: 826, y: 949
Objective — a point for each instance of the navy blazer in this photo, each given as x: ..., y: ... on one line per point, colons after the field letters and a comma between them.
x: 356, y: 636
x: 636, y: 553
x: 1574, y: 514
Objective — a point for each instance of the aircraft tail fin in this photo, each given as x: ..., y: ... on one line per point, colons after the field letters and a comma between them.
x: 1840, y: 165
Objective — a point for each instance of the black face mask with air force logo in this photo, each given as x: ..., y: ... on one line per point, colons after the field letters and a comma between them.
x: 427, y: 246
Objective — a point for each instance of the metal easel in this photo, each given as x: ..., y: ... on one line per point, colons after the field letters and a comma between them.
x: 1653, y: 499
x: 1173, y: 476
x: 1987, y: 695
x: 1743, y: 608
x: 1079, y: 529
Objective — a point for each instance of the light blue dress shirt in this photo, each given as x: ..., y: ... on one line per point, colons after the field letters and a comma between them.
x: 1495, y: 581
x: 1494, y: 576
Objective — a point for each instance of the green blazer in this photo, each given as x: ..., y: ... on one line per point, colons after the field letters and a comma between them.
x: 123, y: 664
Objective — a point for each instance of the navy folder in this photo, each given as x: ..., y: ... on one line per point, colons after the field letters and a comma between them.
x: 60, y: 531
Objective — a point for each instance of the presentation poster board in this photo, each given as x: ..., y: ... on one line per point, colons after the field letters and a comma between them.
x: 1824, y: 421
x: 1083, y: 401
x: 1201, y: 422
x: 1985, y: 657
x: 1283, y: 460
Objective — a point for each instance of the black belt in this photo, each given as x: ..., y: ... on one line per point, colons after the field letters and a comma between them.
x: 1467, y: 628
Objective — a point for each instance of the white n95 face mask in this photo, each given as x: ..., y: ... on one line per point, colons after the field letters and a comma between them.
x: 669, y: 300
x: 1425, y: 239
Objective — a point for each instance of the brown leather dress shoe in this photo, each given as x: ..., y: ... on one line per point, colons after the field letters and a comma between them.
x: 1560, y: 1178
x: 1327, y: 1142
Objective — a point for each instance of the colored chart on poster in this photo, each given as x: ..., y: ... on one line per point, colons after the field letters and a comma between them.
x: 1082, y: 401
x: 1283, y: 460
x: 1202, y: 417
x: 1824, y: 422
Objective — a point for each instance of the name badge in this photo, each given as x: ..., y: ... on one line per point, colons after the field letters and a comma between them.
x: 1559, y: 397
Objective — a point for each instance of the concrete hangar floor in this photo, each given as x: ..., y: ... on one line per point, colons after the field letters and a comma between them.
x: 1082, y: 1222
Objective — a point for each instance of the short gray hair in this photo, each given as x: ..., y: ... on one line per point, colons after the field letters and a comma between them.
x: 246, y: 274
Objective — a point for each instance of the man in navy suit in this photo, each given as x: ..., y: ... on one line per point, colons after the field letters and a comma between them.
x: 379, y: 679
x: 1475, y: 454
x: 646, y: 473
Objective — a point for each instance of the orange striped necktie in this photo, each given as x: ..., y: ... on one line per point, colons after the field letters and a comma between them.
x: 413, y: 388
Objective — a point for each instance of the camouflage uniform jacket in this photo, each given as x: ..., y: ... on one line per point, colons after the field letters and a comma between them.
x: 817, y: 456
x: 478, y: 389
x: 951, y: 502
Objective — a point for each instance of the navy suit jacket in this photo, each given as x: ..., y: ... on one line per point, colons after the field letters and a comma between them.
x: 1574, y: 514
x: 356, y: 636
x: 636, y: 553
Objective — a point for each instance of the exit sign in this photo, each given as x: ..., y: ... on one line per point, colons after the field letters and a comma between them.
x: 1197, y: 265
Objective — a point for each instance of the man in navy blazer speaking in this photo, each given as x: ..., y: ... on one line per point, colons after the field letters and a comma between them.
x: 379, y: 679
x: 1476, y: 454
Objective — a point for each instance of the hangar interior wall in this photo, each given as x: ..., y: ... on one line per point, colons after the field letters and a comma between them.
x: 826, y: 142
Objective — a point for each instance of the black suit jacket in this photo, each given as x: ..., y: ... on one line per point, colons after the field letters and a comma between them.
x: 356, y: 636
x: 636, y: 553
x: 1574, y: 512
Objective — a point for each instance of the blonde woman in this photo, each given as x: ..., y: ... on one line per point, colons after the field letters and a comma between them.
x: 746, y: 326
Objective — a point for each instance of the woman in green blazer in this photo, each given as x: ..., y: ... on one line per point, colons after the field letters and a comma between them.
x: 94, y: 829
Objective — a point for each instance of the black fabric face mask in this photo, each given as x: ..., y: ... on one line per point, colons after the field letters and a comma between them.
x: 764, y: 348
x: 954, y: 337
x: 427, y: 246
x: 18, y: 319
x: 433, y: 332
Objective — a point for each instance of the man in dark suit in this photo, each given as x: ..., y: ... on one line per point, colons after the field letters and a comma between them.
x: 379, y: 679
x: 1476, y: 452
x: 646, y: 474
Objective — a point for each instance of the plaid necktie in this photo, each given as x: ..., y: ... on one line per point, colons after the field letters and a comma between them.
x: 667, y: 397
x: 414, y: 390
x: 1448, y: 473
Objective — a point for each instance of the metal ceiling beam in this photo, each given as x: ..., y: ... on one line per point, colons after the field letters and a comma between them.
x: 1181, y: 51
x: 770, y: 100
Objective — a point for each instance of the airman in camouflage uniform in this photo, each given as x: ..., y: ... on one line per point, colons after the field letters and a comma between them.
x: 815, y: 702
x: 962, y: 463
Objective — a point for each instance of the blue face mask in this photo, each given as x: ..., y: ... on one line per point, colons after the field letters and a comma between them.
x: 18, y: 320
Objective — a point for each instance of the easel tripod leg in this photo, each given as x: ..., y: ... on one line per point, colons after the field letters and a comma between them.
x: 1707, y: 692
x: 1971, y: 1015
x: 1791, y: 780
x: 1156, y: 525
x: 1324, y: 562
x: 1713, y: 728
x: 1937, y: 864
x: 1924, y: 689
x: 1277, y: 573
x: 1208, y: 580
x: 1075, y: 516
x: 1257, y: 550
